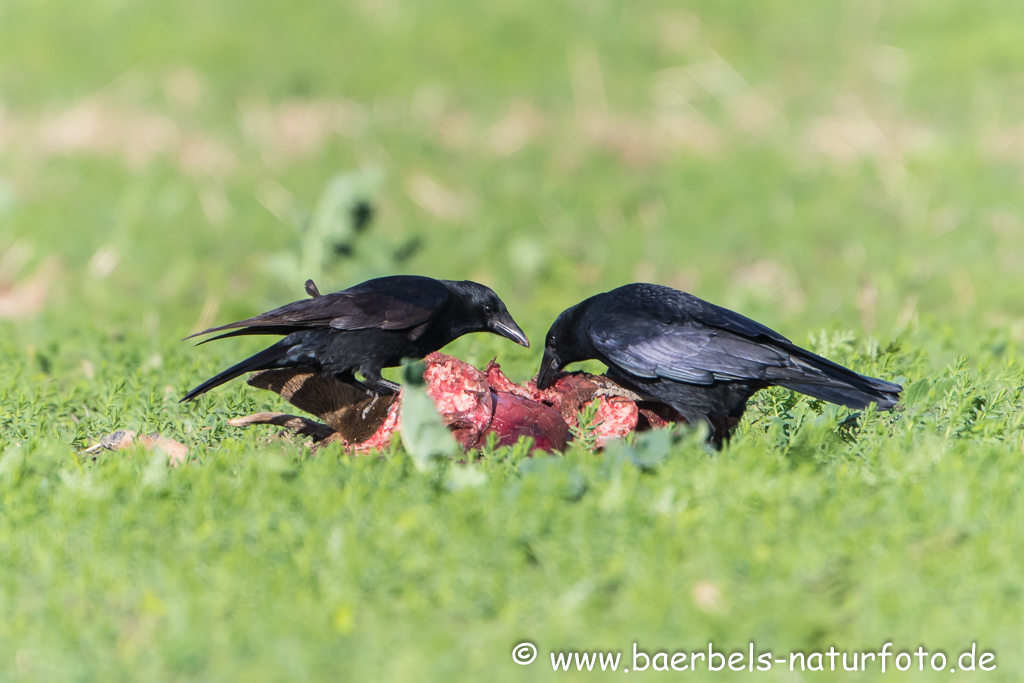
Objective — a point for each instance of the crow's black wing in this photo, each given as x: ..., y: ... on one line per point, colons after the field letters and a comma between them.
x: 759, y: 351
x: 657, y: 332
x: 389, y: 303
x: 399, y: 302
x: 687, y: 350
x: 669, y: 305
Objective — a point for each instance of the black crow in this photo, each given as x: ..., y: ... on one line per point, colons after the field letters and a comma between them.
x: 702, y: 360
x: 370, y: 326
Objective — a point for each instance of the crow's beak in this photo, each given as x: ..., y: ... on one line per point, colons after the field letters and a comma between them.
x: 549, y: 367
x: 507, y: 328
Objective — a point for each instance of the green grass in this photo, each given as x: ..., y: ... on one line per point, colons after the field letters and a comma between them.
x: 847, y: 173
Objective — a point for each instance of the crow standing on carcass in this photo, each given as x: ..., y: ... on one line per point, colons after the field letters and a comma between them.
x: 702, y: 360
x: 368, y: 327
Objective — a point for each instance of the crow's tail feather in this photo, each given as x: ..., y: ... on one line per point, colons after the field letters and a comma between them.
x: 278, y: 329
x: 264, y: 360
x: 828, y: 381
x: 846, y: 395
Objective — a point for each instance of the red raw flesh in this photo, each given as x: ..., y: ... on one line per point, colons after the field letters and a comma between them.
x: 515, y: 416
x: 474, y: 406
x: 616, y: 416
x: 461, y: 395
x: 476, y: 403
x: 499, y: 382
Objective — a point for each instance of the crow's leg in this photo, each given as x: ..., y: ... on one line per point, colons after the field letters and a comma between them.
x: 374, y: 382
x: 349, y: 377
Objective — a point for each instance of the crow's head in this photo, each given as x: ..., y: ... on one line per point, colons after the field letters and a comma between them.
x: 478, y: 309
x: 561, y: 347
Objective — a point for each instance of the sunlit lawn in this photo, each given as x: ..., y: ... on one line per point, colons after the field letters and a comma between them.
x: 848, y: 173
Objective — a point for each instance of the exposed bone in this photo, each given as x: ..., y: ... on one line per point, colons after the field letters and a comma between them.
x: 318, y: 431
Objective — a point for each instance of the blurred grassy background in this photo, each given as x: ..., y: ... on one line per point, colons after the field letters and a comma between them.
x: 837, y: 166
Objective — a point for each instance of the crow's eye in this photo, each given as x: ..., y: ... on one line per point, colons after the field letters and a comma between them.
x: 488, y: 309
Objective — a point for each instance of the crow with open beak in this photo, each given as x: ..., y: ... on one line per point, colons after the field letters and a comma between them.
x: 368, y: 327
x: 703, y: 360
